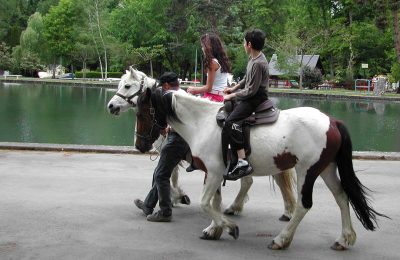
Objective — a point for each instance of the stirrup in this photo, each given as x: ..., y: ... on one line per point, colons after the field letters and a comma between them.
x: 239, y: 172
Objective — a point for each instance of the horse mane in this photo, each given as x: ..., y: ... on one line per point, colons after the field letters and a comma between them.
x: 207, y: 106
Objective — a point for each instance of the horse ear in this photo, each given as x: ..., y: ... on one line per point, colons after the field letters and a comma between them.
x: 148, y: 93
x: 133, y: 73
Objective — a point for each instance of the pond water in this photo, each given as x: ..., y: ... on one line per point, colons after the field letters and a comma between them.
x: 75, y: 115
x: 64, y: 115
x: 373, y: 126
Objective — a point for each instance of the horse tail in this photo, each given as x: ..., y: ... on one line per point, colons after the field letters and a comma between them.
x: 356, y: 192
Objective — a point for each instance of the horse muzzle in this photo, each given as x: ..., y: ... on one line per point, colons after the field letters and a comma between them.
x: 113, y: 109
x: 144, y: 147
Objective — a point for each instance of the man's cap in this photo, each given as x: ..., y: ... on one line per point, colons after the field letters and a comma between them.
x: 168, y: 77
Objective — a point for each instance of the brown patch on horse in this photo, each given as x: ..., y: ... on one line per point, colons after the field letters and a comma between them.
x: 327, y: 156
x: 285, y: 161
x: 199, y: 164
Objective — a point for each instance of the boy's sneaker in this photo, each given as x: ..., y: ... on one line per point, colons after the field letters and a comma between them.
x: 141, y: 206
x: 159, y: 217
x: 242, y: 168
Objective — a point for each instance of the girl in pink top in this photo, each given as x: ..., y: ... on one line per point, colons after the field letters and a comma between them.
x: 217, y: 66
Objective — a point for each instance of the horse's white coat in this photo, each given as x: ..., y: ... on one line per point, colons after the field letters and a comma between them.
x: 299, y: 131
x: 302, y: 132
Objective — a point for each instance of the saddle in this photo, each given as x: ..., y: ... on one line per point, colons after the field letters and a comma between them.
x: 265, y: 113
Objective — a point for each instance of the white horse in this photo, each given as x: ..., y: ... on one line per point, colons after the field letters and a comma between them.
x: 135, y: 82
x: 125, y: 99
x: 304, y: 138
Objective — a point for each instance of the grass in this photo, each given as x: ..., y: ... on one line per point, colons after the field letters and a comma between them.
x: 335, y: 91
x: 318, y: 92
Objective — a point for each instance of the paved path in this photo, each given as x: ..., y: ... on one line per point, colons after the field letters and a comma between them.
x: 66, y: 205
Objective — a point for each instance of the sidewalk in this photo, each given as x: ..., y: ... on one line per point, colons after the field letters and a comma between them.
x: 68, y: 205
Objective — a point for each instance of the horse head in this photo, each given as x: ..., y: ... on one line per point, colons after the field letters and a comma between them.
x: 132, y: 84
x: 150, y: 118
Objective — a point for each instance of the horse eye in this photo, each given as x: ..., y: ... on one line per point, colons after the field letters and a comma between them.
x: 127, y: 86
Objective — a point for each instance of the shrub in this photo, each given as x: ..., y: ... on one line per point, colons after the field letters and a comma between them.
x: 311, y: 77
x: 97, y: 74
x: 395, y: 72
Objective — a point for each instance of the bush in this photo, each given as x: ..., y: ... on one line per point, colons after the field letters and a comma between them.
x: 395, y: 72
x: 311, y: 77
x: 97, y: 74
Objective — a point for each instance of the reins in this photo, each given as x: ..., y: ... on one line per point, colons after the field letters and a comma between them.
x: 149, y: 136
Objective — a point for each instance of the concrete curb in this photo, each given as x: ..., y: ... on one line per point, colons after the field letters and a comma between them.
x: 69, y: 148
x: 358, y: 155
x: 73, y: 83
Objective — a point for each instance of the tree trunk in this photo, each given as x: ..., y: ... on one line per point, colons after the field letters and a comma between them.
x: 351, y: 58
x: 101, y: 38
x: 151, y: 68
x: 301, y: 71
x: 395, y: 12
x: 54, y: 69
x: 84, y: 69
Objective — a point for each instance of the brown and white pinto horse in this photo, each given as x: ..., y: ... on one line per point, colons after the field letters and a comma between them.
x: 304, y: 138
x: 135, y: 82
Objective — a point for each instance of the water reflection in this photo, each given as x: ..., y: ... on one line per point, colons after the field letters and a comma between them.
x: 379, y: 108
x: 362, y: 106
x: 373, y: 125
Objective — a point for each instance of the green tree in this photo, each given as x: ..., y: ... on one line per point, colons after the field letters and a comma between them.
x: 148, y: 54
x: 60, y: 28
x: 44, y: 6
x: 5, y: 57
x: 33, y: 39
x: 394, y: 6
x: 83, y: 51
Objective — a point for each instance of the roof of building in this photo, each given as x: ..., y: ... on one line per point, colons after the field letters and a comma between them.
x: 307, y: 60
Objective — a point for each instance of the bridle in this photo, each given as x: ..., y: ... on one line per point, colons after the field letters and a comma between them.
x: 137, y: 93
x: 154, y: 127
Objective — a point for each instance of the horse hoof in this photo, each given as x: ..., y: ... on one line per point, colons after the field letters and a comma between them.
x: 234, y: 232
x: 229, y: 212
x: 338, y: 247
x: 185, y: 200
x: 274, y: 246
x: 206, y: 236
x: 284, y: 218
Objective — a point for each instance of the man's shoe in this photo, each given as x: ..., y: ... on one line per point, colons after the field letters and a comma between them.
x: 159, y: 217
x: 141, y: 206
x: 239, y: 171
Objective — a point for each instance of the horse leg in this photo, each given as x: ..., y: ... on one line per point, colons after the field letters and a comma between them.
x: 213, y: 229
x: 285, y: 237
x: 237, y: 205
x: 175, y: 190
x: 285, y: 184
x: 212, y: 191
x: 348, y: 235
x: 177, y: 194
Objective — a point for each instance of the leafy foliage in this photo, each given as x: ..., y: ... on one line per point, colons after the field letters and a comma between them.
x: 5, y: 57
x: 164, y: 35
x: 311, y: 77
